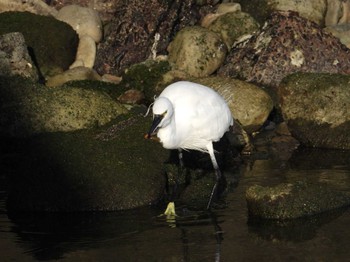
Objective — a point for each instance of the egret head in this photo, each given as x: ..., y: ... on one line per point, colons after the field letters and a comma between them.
x: 162, y: 114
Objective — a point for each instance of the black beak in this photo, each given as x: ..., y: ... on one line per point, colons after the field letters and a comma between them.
x: 154, y: 127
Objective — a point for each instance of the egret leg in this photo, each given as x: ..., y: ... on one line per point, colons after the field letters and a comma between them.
x: 181, y: 161
x: 217, y: 172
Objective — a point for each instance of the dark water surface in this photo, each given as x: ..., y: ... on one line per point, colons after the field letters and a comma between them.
x: 222, y: 235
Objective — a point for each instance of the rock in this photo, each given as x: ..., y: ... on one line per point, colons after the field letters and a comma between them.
x: 131, y: 96
x: 275, y: 52
x: 131, y: 37
x: 313, y: 10
x: 197, y: 51
x: 85, y: 21
x: 290, y: 201
x: 52, y: 44
x: 316, y: 108
x: 38, y: 7
x: 76, y: 73
x: 105, y: 8
x: 249, y: 104
x: 28, y: 109
x: 14, y: 57
x: 233, y: 25
x: 221, y: 9
x: 338, y: 12
x: 86, y: 53
x: 105, y: 169
x: 342, y: 32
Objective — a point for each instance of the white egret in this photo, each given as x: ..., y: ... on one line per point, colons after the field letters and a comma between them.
x: 188, y: 115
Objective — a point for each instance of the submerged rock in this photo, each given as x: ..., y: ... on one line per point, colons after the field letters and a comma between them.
x: 286, y: 44
x: 105, y: 169
x: 316, y: 109
x: 289, y: 201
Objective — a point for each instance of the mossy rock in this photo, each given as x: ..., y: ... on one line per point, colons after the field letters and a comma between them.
x: 293, y: 200
x: 52, y: 44
x: 146, y: 77
x: 105, y: 169
x: 29, y: 108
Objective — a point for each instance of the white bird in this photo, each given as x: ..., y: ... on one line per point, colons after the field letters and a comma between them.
x: 188, y: 115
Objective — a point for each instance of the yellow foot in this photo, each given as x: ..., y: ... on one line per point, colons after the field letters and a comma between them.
x: 170, y: 210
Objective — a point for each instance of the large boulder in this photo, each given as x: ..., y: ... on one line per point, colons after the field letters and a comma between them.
x: 316, y: 108
x: 249, y: 104
x: 104, y: 169
x: 286, y: 44
x: 27, y: 108
x: 197, y: 51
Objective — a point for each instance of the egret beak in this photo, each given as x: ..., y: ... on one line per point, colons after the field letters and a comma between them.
x: 154, y: 127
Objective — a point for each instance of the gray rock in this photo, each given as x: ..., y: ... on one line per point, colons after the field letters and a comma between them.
x: 316, y: 109
x: 14, y: 57
x: 289, y: 201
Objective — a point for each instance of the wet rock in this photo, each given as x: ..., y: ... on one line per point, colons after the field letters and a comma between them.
x: 76, y: 73
x: 233, y: 25
x: 131, y: 37
x: 14, y: 57
x: 286, y: 44
x: 316, y: 109
x: 105, y: 169
x: 249, y: 104
x: 50, y: 51
x: 27, y: 108
x: 289, y: 201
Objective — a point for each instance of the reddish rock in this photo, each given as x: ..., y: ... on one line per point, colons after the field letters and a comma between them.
x: 130, y: 37
x: 286, y: 44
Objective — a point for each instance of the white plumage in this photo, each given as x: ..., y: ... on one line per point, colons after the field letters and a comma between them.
x: 188, y: 115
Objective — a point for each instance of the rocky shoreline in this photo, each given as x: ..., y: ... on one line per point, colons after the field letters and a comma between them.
x: 70, y: 69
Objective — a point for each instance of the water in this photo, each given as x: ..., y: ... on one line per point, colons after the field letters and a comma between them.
x: 227, y: 234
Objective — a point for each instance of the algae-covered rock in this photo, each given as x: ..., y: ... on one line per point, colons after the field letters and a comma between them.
x: 197, y: 51
x: 146, y: 77
x: 105, y: 169
x: 28, y: 108
x: 52, y: 43
x: 288, y: 201
x: 249, y: 104
x: 233, y: 25
x: 316, y: 108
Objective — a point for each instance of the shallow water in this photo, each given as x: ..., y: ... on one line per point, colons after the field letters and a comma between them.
x: 226, y: 234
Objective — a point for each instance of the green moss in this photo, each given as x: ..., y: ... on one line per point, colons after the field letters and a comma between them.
x: 145, y: 77
x: 52, y: 44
